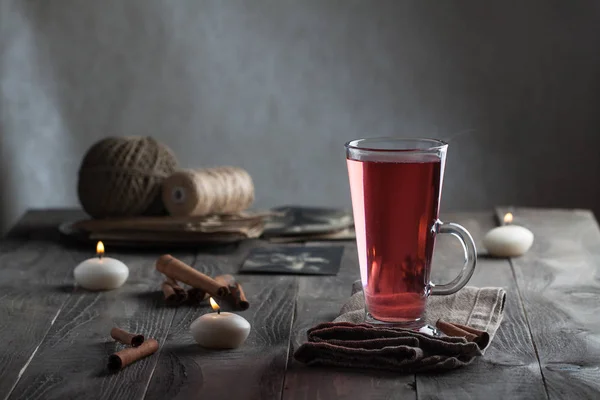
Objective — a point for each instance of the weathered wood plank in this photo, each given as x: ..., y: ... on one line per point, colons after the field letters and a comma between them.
x: 254, y: 371
x: 71, y: 360
x: 509, y: 369
x: 34, y: 271
x: 559, y: 280
x: 319, y: 300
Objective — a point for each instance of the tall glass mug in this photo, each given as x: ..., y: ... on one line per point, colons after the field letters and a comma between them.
x: 396, y: 186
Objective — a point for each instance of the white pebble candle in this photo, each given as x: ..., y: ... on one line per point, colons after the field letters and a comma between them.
x: 508, y: 240
x: 220, y: 330
x: 101, y: 273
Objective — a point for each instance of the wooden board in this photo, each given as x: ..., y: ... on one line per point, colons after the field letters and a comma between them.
x: 55, y: 341
x: 559, y: 281
x: 254, y: 371
x: 509, y: 368
x: 319, y: 300
x: 34, y: 275
x: 71, y: 361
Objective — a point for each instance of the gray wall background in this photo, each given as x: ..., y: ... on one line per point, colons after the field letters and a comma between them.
x: 277, y: 87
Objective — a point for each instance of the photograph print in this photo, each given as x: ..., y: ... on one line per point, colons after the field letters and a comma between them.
x: 293, y: 220
x: 303, y: 260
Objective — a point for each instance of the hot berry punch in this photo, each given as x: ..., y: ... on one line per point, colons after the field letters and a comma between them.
x: 396, y: 190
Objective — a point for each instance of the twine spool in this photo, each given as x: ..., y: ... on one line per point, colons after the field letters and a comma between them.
x: 123, y: 176
x: 220, y: 190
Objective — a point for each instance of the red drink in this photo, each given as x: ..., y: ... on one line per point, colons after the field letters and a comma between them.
x: 395, y: 205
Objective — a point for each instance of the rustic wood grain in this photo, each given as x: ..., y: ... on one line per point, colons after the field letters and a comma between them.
x: 34, y: 272
x: 559, y: 280
x: 71, y: 360
x: 319, y: 300
x: 55, y: 340
x: 509, y: 369
x: 256, y: 370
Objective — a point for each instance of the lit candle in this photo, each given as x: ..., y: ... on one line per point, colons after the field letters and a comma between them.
x: 220, y: 330
x: 101, y: 273
x: 508, y: 240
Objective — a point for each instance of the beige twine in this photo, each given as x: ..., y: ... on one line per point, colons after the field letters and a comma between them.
x: 219, y: 190
x: 123, y: 176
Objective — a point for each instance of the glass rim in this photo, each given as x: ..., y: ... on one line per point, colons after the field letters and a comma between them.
x: 362, y: 144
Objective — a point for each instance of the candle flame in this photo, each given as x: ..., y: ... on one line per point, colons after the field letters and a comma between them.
x: 214, y: 304
x: 508, y: 218
x: 100, y: 249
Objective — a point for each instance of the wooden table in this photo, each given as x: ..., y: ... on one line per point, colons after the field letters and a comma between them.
x: 54, y: 340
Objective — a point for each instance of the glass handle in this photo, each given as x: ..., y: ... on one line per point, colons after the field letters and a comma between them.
x: 470, y: 258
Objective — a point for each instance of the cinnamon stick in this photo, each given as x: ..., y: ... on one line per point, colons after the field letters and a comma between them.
x: 237, y: 297
x: 226, y: 280
x: 196, y: 295
x: 125, y: 337
x: 180, y: 271
x: 174, y: 294
x: 171, y: 281
x: 481, y: 338
x: 123, y: 358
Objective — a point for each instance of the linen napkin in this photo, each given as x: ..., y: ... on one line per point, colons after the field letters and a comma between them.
x: 471, y: 317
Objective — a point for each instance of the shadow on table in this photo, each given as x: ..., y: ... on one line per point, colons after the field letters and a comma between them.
x: 302, y: 372
x: 157, y: 299
x: 106, y: 348
x: 193, y: 349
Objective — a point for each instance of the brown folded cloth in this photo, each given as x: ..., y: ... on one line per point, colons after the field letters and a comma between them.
x: 468, y: 320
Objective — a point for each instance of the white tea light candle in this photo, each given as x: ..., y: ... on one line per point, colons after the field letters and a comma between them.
x: 101, y: 273
x: 508, y: 240
x: 220, y: 330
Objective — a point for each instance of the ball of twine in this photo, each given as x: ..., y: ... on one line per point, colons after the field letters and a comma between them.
x: 123, y: 176
x: 206, y: 191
